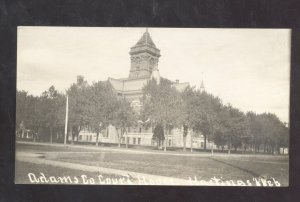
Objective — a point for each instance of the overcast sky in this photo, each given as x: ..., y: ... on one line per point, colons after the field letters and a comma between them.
x: 248, y: 68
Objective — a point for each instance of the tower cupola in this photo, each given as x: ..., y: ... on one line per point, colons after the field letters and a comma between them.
x: 144, y: 57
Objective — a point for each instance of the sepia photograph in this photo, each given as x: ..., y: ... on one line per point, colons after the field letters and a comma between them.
x: 152, y: 106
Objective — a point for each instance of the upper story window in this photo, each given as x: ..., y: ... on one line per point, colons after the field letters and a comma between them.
x: 137, y: 71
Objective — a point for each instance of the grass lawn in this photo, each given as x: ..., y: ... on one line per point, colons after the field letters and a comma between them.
x: 227, y: 167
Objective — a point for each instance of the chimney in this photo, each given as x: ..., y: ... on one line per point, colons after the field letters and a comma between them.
x: 80, y: 79
x: 177, y: 81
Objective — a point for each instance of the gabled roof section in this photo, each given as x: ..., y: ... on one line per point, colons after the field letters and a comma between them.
x: 135, y: 85
x: 145, y: 40
x: 126, y: 85
x: 116, y: 83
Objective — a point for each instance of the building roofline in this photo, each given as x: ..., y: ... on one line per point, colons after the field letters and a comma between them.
x: 174, y: 82
x: 129, y: 79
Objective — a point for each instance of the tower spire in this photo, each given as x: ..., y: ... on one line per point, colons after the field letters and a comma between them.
x: 147, y: 35
x: 202, y: 85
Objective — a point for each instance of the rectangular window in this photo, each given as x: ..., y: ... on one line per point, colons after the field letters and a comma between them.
x: 134, y: 140
x: 139, y: 140
x: 202, y: 144
x: 169, y: 142
x: 107, y: 132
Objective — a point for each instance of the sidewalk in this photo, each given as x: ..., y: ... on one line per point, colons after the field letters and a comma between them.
x: 167, y: 153
x: 117, y: 149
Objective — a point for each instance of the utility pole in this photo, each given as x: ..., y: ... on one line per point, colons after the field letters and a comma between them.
x: 66, y: 120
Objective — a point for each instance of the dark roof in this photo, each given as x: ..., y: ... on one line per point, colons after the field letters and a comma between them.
x: 145, y: 39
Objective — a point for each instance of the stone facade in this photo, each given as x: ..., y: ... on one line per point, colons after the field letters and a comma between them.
x: 144, y: 58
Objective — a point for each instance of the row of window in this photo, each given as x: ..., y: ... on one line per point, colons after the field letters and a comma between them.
x: 134, y: 140
x: 85, y: 137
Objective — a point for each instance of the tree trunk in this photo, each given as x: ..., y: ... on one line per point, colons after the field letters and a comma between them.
x: 118, y: 136
x: 34, y: 137
x: 166, y: 137
x: 192, y: 134
x: 212, y: 144
x: 51, y: 133
x: 77, y: 132
x: 71, y: 132
x: 204, y: 142
x: 264, y: 147
x: 97, y: 139
x: 119, y: 145
x: 229, y: 145
x: 184, y: 143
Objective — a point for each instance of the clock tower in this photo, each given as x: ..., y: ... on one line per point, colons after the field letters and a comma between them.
x: 144, y: 57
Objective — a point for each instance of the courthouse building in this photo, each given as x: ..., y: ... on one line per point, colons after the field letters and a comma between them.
x: 144, y: 57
